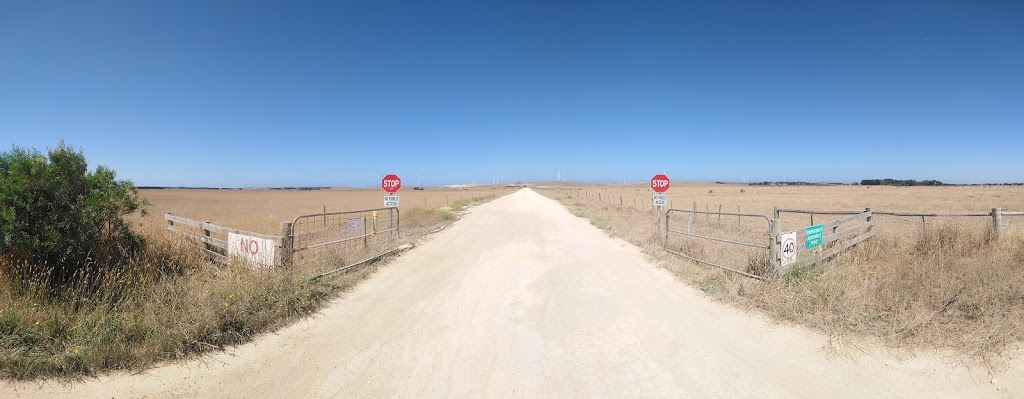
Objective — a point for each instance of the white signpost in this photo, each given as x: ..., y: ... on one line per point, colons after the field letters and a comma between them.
x: 788, y: 248
x: 660, y: 199
x: 391, y: 201
x: 258, y: 252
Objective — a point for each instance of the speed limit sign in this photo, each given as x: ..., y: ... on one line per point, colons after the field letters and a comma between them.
x: 788, y: 248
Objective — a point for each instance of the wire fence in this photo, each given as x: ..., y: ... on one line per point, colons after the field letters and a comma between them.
x: 888, y: 222
x: 724, y: 236
x: 997, y: 222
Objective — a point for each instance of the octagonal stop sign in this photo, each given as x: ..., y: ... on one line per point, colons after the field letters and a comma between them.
x: 391, y: 184
x: 659, y: 183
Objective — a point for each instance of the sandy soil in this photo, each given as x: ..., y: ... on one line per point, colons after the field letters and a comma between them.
x: 522, y: 299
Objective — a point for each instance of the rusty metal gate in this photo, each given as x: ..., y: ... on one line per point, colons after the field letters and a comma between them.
x: 736, y: 242
x: 328, y: 243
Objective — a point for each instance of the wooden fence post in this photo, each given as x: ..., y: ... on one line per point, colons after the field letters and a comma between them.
x: 665, y: 243
x: 871, y: 217
x: 997, y: 220
x: 206, y: 232
x: 287, y: 244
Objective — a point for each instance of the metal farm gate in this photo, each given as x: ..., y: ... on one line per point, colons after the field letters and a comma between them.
x: 736, y: 242
x: 328, y: 243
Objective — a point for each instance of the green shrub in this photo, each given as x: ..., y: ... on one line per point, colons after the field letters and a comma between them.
x: 58, y: 219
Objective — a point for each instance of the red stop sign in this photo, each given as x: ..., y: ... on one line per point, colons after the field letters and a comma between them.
x: 391, y: 184
x: 659, y: 183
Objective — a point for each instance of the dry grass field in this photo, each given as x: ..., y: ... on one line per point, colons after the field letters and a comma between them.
x: 262, y: 211
x: 943, y: 283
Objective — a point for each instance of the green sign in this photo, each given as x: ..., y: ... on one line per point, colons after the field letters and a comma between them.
x: 813, y: 237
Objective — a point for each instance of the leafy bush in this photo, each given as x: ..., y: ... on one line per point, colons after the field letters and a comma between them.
x: 57, y: 218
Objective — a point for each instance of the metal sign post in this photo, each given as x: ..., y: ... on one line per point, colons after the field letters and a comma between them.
x: 660, y: 184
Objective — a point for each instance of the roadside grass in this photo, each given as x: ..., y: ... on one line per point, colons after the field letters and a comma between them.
x: 422, y: 217
x: 462, y: 204
x: 417, y: 221
x: 951, y: 288
x: 169, y: 303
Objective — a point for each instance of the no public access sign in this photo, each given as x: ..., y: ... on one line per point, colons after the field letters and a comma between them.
x: 660, y: 183
x: 391, y: 184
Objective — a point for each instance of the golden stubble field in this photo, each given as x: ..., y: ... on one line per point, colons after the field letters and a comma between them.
x: 262, y: 211
x: 761, y: 199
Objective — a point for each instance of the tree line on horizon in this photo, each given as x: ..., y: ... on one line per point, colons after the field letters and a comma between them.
x: 897, y: 182
x: 877, y: 182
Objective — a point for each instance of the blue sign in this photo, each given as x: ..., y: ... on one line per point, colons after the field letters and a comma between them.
x: 812, y: 236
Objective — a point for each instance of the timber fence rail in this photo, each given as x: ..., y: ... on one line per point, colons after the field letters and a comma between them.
x: 321, y: 244
x: 999, y: 217
x: 211, y: 238
x: 836, y: 235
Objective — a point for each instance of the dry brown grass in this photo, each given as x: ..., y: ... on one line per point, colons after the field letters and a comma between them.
x: 945, y: 285
x: 262, y: 211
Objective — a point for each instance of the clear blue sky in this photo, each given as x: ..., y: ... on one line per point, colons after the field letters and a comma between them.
x: 247, y: 93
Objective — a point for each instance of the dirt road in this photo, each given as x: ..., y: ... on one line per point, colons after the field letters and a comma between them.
x: 522, y: 299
